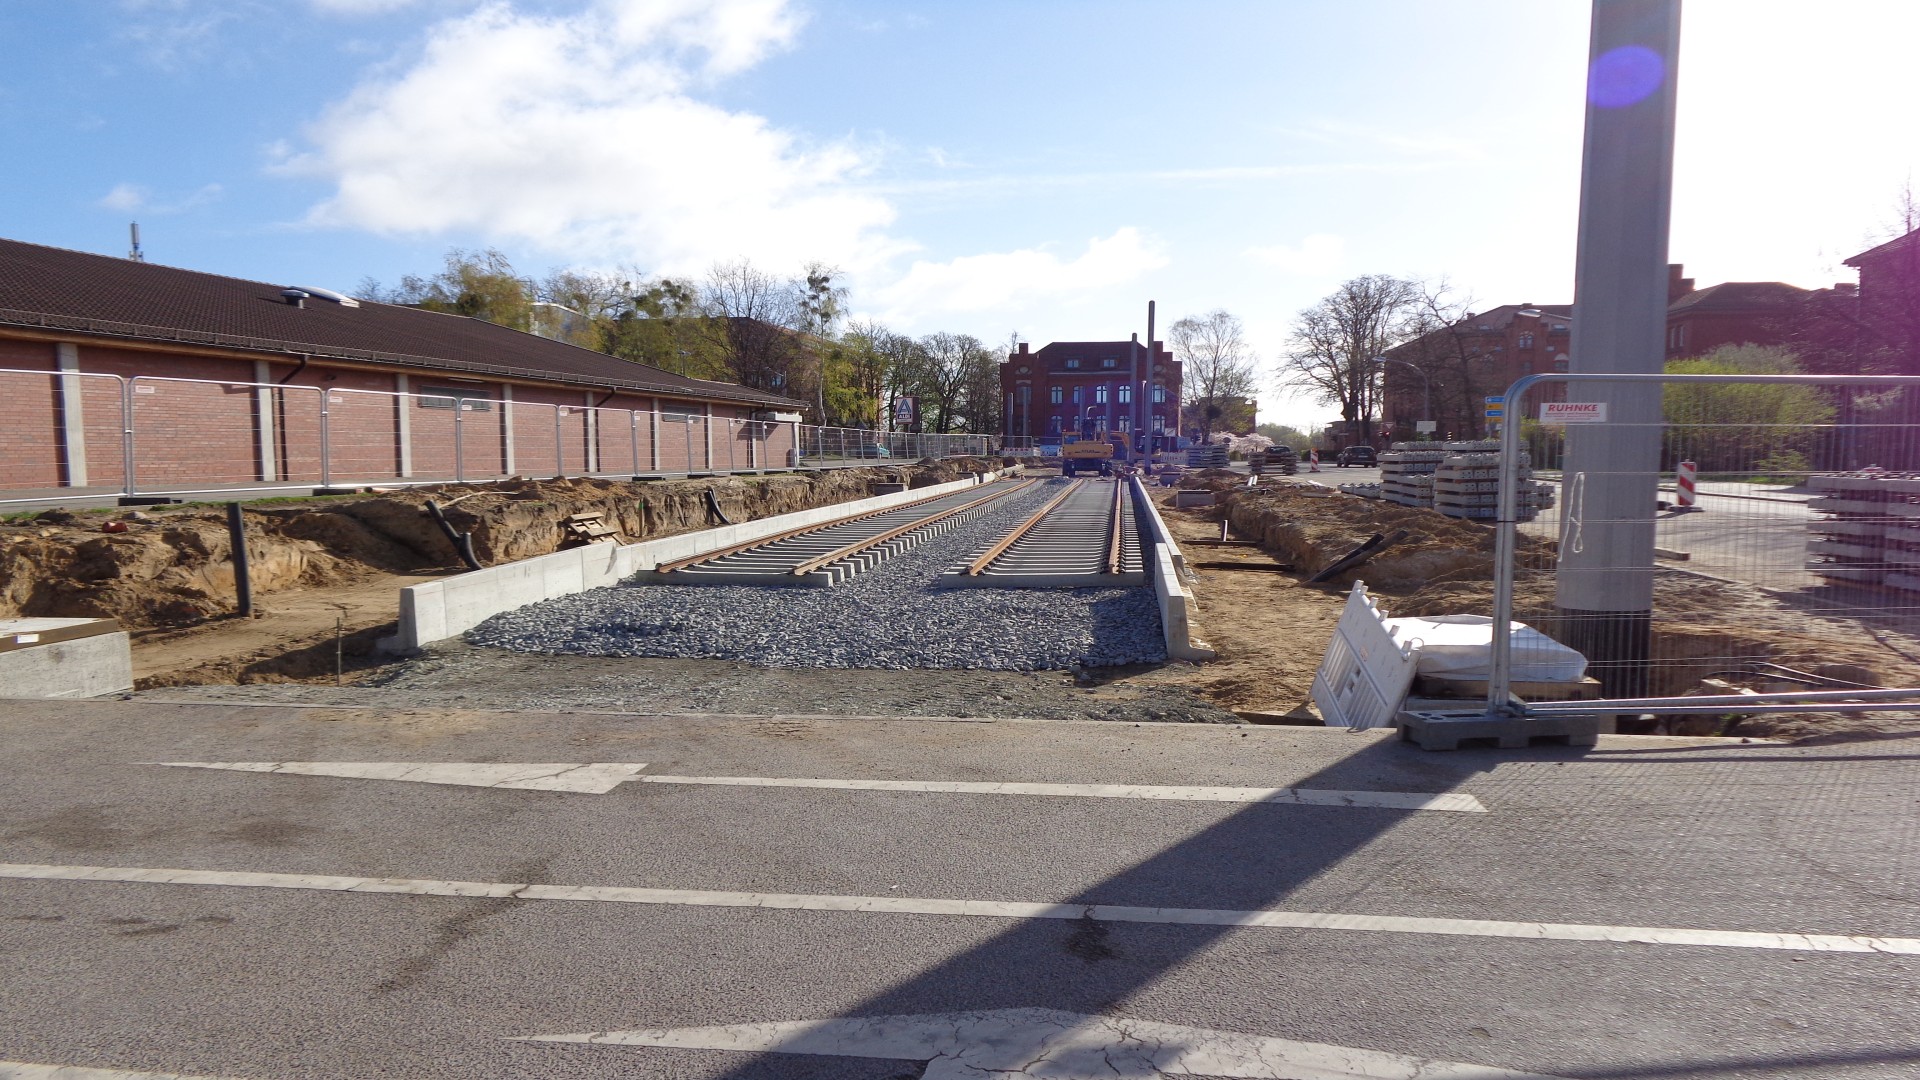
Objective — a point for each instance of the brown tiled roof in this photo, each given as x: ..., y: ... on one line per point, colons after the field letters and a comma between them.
x: 1897, y: 243
x: 118, y: 298
x: 1739, y: 296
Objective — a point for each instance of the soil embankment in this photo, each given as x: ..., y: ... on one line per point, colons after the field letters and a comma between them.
x: 332, y: 567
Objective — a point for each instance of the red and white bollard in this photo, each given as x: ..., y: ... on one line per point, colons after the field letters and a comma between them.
x: 1313, y: 460
x: 1683, y: 483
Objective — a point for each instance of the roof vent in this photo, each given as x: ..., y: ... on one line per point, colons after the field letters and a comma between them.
x: 294, y: 297
x: 326, y: 294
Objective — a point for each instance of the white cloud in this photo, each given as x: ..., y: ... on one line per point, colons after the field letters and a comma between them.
x: 1010, y: 279
x: 132, y: 198
x: 1321, y: 253
x: 580, y: 134
x: 127, y: 197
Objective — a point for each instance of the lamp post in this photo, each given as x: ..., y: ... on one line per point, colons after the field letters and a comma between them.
x: 1426, y: 385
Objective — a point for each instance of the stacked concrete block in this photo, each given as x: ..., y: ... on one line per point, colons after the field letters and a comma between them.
x: 1406, y: 473
x: 1213, y: 456
x: 1865, y: 528
x: 1467, y: 484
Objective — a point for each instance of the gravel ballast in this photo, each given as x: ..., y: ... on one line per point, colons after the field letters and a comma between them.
x: 891, y: 617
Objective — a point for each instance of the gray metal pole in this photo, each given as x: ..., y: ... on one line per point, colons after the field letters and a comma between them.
x: 1604, y: 588
x: 1148, y: 373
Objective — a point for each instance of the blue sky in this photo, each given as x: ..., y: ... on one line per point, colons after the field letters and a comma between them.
x: 984, y: 167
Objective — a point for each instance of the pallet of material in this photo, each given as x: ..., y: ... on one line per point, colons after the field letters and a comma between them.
x: 590, y: 528
x: 1585, y: 688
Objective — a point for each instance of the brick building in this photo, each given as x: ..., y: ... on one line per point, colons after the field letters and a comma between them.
x: 88, y: 340
x: 1048, y: 392
x: 1732, y: 313
x: 1473, y: 359
x: 1888, y: 310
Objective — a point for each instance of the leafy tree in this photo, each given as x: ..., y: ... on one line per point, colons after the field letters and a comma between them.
x: 1283, y: 435
x: 1756, y: 427
x: 477, y: 284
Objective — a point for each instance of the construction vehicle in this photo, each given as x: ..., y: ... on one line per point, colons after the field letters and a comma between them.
x: 1092, y: 449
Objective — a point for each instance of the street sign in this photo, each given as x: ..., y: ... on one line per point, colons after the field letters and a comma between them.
x: 1496, y: 406
x: 1048, y: 1044
x: 1426, y: 427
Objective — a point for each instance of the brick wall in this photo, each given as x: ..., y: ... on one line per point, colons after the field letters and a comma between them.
x: 30, y: 430
x: 202, y: 424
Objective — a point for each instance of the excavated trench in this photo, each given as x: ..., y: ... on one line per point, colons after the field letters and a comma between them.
x: 162, y: 571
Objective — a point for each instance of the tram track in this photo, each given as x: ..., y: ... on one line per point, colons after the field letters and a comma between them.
x: 828, y: 552
x: 1084, y: 537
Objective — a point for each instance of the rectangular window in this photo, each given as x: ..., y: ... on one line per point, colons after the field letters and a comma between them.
x: 1526, y: 341
x: 1076, y: 394
x: 445, y: 397
x: 1159, y: 395
x: 1054, y: 396
x: 1159, y: 423
x: 1073, y: 362
x: 1100, y: 394
x: 1126, y: 393
x: 1106, y: 362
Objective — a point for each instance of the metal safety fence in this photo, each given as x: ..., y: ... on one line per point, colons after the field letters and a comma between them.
x: 72, y: 434
x: 835, y: 444
x: 1703, y: 539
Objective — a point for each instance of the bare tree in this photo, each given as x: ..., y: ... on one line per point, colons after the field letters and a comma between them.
x: 1216, y: 363
x: 764, y: 319
x: 1330, y: 353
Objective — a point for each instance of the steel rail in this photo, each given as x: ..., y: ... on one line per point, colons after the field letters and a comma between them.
x: 897, y: 531
x: 774, y: 538
x: 1116, y: 533
x: 979, y: 565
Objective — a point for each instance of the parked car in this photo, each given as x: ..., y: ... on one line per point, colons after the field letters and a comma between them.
x: 870, y: 450
x: 1362, y: 456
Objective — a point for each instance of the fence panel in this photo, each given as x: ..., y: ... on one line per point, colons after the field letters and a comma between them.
x: 190, y: 433
x: 363, y: 444
x: 60, y: 433
x: 615, y: 441
x: 1801, y: 549
x: 530, y: 440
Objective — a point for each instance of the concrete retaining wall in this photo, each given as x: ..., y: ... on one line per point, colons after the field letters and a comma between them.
x: 80, y: 668
x: 438, y: 610
x: 1170, y: 575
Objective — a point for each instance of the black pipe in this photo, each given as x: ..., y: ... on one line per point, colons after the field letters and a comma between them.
x: 242, y: 573
x: 462, y: 541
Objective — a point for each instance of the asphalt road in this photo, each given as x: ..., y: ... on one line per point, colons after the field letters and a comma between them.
x: 1416, y: 933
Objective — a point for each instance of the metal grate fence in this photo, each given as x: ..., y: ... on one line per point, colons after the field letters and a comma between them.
x: 1763, y: 531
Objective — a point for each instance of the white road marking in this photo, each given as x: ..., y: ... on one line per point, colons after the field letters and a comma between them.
x: 1048, y: 1044
x: 20, y: 1070
x: 601, y: 778
x: 596, y: 779
x: 996, y: 909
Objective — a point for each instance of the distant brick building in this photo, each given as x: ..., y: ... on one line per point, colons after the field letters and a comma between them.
x: 394, y: 392
x: 1733, y: 313
x: 1469, y: 361
x: 1048, y: 392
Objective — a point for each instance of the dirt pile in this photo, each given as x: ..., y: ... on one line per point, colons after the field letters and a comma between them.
x: 1705, y: 627
x: 1311, y: 529
x: 172, y: 567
